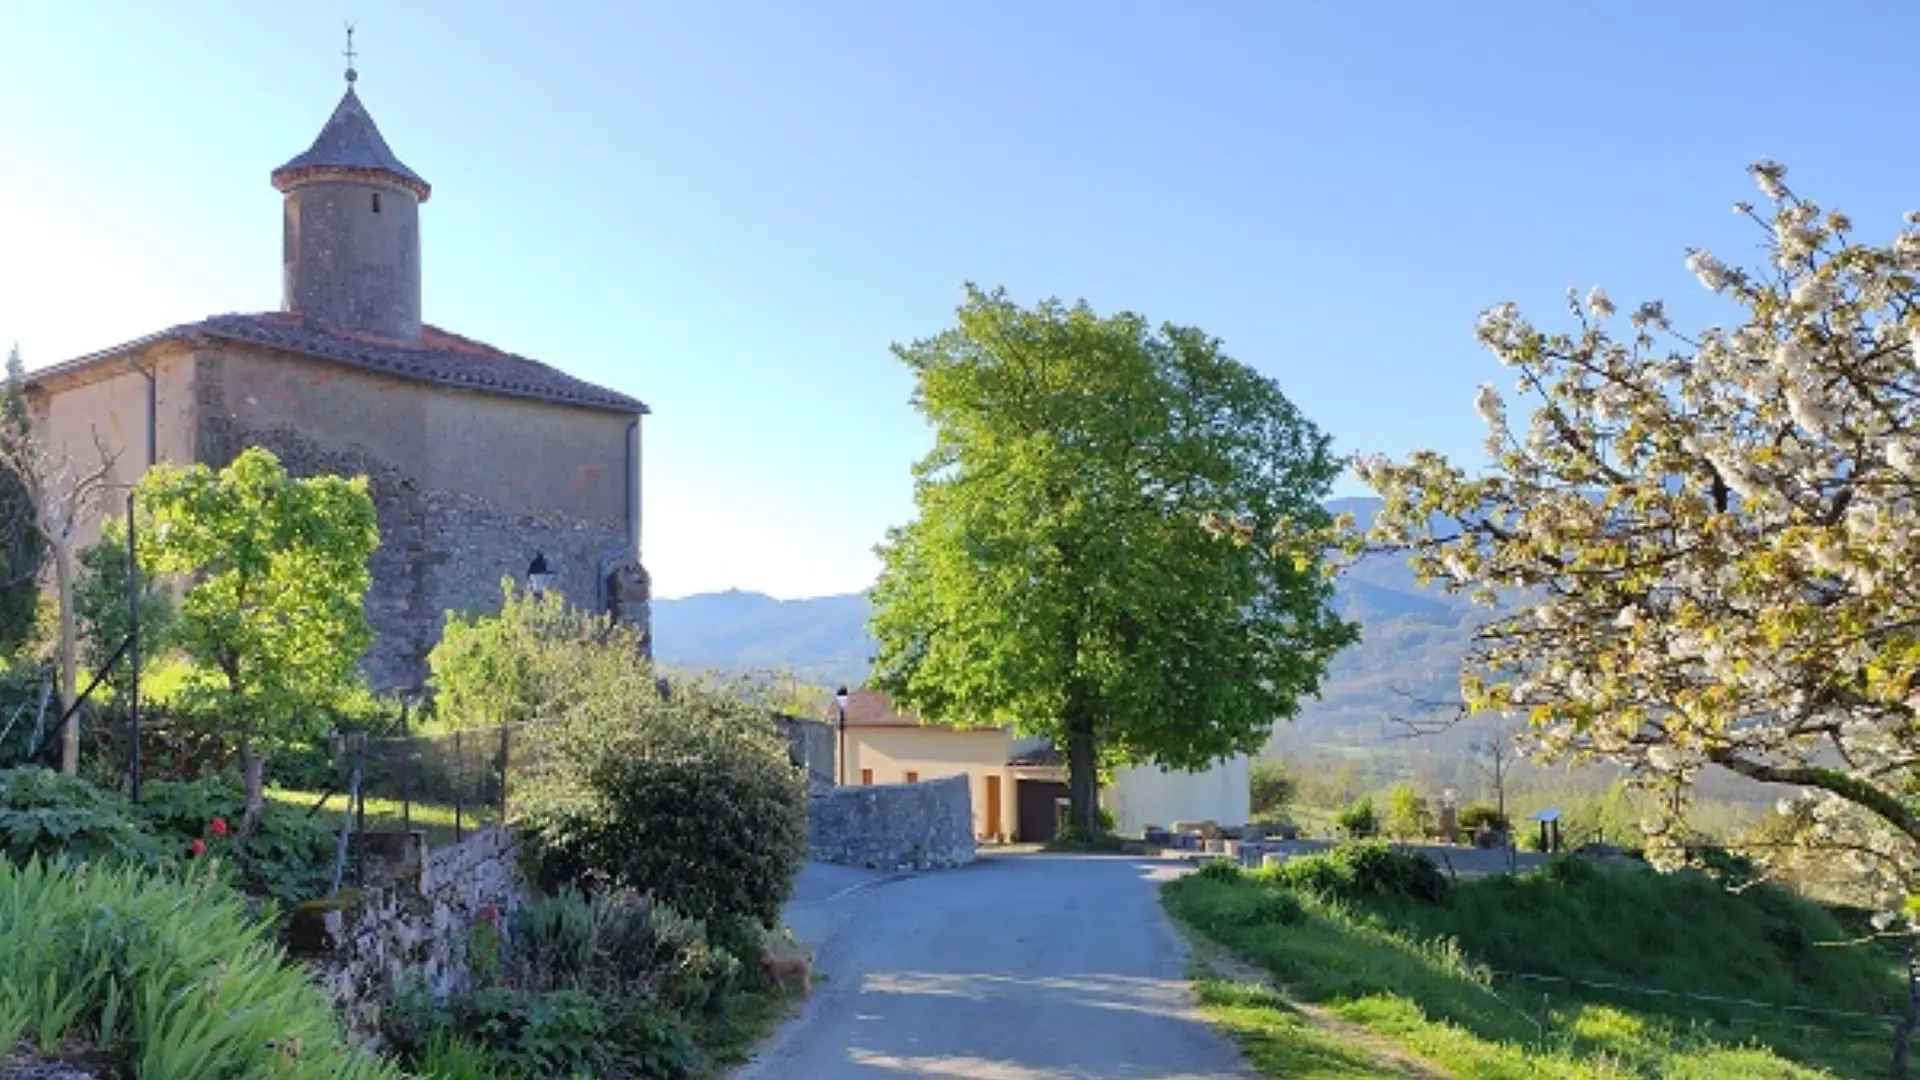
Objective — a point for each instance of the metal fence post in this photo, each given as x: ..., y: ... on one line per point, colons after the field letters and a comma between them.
x: 506, y: 765
x: 406, y: 774
x: 458, y: 761
x: 360, y: 815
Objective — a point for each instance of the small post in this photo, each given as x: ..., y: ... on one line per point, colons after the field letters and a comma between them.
x: 359, y: 812
x: 406, y: 774
x: 133, y: 629
x: 458, y: 761
x: 506, y: 763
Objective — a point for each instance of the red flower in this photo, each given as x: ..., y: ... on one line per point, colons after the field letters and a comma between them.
x: 219, y: 826
x: 197, y: 847
x: 490, y: 913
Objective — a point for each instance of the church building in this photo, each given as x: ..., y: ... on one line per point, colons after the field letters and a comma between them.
x: 482, y: 464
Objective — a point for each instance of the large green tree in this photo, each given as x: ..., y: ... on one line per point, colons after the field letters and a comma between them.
x: 274, y: 616
x: 1061, y: 576
x: 22, y: 549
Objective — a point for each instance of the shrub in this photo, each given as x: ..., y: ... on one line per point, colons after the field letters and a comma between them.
x: 1367, y: 869
x: 1272, y: 789
x: 164, y: 972
x: 688, y: 796
x: 1480, y: 815
x: 553, y: 942
x: 1407, y: 812
x: 1225, y: 870
x: 44, y: 813
x: 289, y: 857
x: 1357, y: 818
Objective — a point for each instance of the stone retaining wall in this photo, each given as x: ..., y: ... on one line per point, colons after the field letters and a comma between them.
x: 918, y: 826
x: 417, y: 927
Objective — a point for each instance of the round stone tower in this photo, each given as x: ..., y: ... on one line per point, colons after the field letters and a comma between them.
x: 352, y: 241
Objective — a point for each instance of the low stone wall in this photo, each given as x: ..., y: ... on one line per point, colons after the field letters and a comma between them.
x: 364, y: 949
x: 918, y: 826
x: 810, y: 744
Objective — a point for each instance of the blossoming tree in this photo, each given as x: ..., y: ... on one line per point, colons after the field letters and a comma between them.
x: 1718, y: 536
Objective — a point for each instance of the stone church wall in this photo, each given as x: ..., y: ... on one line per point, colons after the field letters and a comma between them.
x: 468, y: 487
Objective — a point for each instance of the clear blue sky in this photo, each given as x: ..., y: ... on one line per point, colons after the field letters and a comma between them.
x: 731, y: 209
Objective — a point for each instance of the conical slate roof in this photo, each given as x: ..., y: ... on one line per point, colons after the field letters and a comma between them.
x: 349, y: 143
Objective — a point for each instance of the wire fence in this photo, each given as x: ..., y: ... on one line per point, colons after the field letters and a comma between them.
x: 400, y: 793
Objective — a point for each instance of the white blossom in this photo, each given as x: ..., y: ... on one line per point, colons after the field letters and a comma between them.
x: 1655, y: 585
x: 1813, y: 291
x: 1488, y: 404
x: 1711, y: 272
x: 1771, y: 176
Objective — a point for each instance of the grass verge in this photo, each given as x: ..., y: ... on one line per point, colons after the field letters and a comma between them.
x: 1418, y: 976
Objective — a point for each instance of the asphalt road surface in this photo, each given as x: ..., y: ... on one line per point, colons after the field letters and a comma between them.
x: 1020, y: 967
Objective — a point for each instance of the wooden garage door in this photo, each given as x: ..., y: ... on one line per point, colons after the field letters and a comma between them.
x: 1039, y: 821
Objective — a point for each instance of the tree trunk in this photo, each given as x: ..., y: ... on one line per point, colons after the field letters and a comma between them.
x: 1083, y: 776
x: 253, y: 771
x: 69, y: 651
x: 1903, y: 1032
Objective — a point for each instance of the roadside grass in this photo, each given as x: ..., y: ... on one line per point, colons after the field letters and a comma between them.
x: 1434, y: 979
x: 1280, y: 1040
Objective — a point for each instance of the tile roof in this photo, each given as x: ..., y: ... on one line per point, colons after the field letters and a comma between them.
x: 350, y: 142
x: 873, y: 709
x: 440, y: 358
x: 1044, y: 758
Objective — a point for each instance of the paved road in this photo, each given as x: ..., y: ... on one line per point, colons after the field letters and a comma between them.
x: 1023, y: 967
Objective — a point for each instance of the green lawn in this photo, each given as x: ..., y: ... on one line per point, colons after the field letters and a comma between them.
x: 1425, y: 980
x: 437, y: 819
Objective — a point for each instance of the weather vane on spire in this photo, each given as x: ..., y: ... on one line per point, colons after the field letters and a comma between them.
x: 351, y: 74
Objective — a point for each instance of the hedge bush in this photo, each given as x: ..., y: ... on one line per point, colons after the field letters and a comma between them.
x: 1361, y: 870
x: 1480, y: 815
x: 689, y: 796
x: 163, y: 971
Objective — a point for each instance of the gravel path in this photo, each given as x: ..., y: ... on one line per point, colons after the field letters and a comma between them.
x: 1024, y: 967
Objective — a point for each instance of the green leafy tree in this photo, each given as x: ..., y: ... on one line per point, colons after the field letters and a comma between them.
x: 1273, y: 788
x: 1062, y: 574
x: 533, y: 660
x: 274, y: 615
x: 1407, y: 813
x: 22, y: 549
x: 1358, y: 819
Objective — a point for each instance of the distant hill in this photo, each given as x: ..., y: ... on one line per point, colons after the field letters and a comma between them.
x: 823, y: 639
x: 1413, y: 639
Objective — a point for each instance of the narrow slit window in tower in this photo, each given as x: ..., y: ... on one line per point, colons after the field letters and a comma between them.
x: 376, y: 202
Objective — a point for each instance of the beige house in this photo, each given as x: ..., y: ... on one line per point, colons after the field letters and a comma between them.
x: 481, y: 463
x: 1014, y: 798
x: 1019, y: 785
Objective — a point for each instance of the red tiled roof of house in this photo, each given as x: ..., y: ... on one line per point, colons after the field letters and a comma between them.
x: 870, y: 708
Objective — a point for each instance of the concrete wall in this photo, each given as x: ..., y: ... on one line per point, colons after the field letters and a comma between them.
x: 469, y: 487
x: 351, y: 256
x: 935, y: 752
x: 1145, y: 795
x: 921, y: 826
